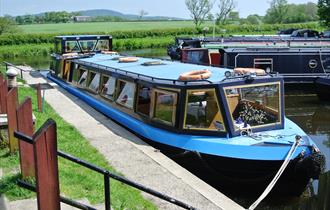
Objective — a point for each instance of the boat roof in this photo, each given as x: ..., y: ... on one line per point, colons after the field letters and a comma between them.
x: 168, y: 70
x: 74, y: 37
x: 278, y: 49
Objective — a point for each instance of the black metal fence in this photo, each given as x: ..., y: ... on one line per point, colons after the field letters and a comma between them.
x: 107, y: 176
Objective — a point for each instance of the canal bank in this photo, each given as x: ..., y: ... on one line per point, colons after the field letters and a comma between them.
x: 132, y: 157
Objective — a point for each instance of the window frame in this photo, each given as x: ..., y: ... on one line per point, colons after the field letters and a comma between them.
x: 117, y: 93
x: 154, y: 103
x: 88, y: 80
x: 101, y: 90
x: 186, y: 109
x: 137, y: 100
x: 280, y: 111
x: 79, y: 69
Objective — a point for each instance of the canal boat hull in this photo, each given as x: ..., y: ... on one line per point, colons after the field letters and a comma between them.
x: 249, y: 175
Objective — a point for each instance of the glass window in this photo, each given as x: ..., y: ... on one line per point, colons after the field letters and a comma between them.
x: 108, y: 87
x: 94, y: 81
x: 126, y: 93
x: 87, y: 45
x: 165, y: 106
x: 143, y: 100
x: 71, y: 46
x: 202, y: 111
x: 82, y: 77
x: 253, y: 105
x: 102, y: 45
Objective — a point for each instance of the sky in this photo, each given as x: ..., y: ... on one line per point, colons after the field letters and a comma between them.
x: 171, y: 8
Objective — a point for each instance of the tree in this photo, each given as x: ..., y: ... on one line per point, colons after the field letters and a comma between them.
x: 324, y: 12
x: 225, y: 7
x: 277, y: 11
x: 233, y: 15
x: 7, y: 26
x: 254, y: 19
x: 142, y: 13
x: 199, y: 9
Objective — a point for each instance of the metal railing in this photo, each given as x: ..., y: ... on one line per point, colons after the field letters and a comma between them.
x: 16, y: 67
x: 107, y: 175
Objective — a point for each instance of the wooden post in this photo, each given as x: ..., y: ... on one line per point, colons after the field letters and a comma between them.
x: 39, y: 97
x: 25, y: 126
x: 12, y: 102
x: 3, y: 97
x: 45, y: 155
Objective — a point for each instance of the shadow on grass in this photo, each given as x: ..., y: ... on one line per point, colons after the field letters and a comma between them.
x: 9, y: 187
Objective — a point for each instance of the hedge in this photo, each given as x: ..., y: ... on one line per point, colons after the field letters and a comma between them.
x: 19, y: 39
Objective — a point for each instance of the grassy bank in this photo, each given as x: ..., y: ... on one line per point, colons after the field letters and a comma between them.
x: 75, y: 182
x: 29, y: 50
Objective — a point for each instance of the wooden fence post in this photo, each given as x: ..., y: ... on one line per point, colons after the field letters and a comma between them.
x: 46, y: 162
x: 3, y: 97
x: 39, y: 97
x: 12, y: 101
x: 25, y: 126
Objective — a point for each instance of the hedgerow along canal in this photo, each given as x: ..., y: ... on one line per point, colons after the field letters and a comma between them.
x: 311, y: 114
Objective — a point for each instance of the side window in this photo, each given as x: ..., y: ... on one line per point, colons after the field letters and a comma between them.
x: 143, y: 100
x: 126, y: 94
x: 87, y: 45
x: 108, y: 87
x: 71, y: 46
x: 80, y: 77
x: 165, y: 106
x: 102, y: 45
x: 93, y: 81
x: 202, y: 111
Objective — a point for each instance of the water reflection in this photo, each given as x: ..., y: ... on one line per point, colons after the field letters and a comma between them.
x: 313, y: 116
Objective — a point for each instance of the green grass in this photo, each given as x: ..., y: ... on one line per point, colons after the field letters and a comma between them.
x: 12, y: 51
x: 104, y: 26
x: 75, y: 182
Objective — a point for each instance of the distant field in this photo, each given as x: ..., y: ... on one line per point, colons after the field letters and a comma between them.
x: 104, y: 26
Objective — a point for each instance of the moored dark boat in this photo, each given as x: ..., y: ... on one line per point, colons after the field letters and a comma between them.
x: 234, y: 123
x: 323, y: 87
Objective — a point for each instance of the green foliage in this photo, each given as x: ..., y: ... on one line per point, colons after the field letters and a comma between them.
x: 324, y: 12
x: 7, y: 26
x: 277, y: 11
x: 18, y: 39
x: 199, y: 9
x: 26, y: 50
x: 47, y: 17
x: 282, y: 12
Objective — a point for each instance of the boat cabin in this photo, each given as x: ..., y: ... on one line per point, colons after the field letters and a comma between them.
x: 68, y: 48
x: 150, y: 91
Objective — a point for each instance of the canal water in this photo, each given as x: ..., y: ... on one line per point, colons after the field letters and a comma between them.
x: 305, y: 109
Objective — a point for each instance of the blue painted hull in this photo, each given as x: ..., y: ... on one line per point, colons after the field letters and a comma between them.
x: 204, y: 144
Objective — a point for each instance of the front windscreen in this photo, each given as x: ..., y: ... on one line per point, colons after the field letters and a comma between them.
x: 254, y: 105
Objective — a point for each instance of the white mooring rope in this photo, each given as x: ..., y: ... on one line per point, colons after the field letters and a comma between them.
x: 278, y: 174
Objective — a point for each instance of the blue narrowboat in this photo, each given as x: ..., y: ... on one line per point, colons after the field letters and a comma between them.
x: 235, y: 123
